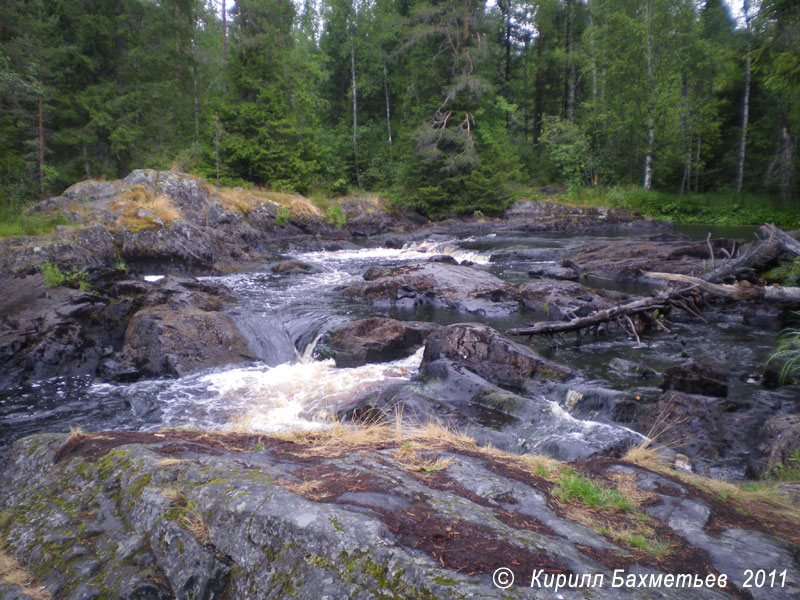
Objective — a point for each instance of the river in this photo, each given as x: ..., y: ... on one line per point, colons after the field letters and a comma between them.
x: 304, y: 394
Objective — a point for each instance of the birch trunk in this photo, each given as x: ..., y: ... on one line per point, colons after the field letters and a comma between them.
x: 651, y: 134
x: 593, y: 58
x: 746, y: 109
x: 41, y: 148
x: 388, y: 112
x: 355, y: 106
x: 224, y: 32
x: 570, y: 75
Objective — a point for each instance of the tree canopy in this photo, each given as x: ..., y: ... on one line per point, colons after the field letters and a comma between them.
x: 445, y: 103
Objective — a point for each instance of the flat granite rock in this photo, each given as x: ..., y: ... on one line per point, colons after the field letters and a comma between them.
x: 181, y: 514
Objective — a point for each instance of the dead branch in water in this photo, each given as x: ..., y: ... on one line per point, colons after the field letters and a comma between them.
x: 756, y: 258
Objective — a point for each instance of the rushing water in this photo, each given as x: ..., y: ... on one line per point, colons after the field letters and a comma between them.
x: 304, y: 393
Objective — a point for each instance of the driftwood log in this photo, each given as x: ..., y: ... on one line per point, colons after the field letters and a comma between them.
x: 741, y: 290
x: 756, y: 258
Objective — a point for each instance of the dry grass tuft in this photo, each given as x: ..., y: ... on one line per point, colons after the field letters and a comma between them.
x: 641, y: 538
x: 646, y: 455
x: 193, y: 521
x: 751, y: 498
x: 169, y: 462
x: 245, y: 201
x: 13, y: 573
x: 239, y: 200
x: 138, y: 199
x: 76, y: 434
x: 313, y: 490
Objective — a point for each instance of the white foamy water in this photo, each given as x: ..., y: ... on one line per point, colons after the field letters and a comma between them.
x: 412, y: 251
x: 257, y: 398
x: 262, y: 286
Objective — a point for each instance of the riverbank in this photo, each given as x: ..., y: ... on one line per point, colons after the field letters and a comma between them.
x: 190, y: 514
x: 712, y: 208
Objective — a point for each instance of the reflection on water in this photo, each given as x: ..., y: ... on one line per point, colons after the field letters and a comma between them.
x: 700, y: 232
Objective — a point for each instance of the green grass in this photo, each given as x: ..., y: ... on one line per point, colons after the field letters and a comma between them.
x: 790, y: 470
x: 335, y: 215
x: 786, y: 273
x: 788, y: 353
x: 283, y: 216
x: 717, y: 208
x: 54, y: 277
x: 643, y: 539
x: 572, y: 486
x: 15, y: 220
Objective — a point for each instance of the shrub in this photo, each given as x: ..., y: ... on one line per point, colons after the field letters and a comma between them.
x: 567, y: 150
x: 53, y: 276
x: 282, y: 216
x: 340, y: 187
x: 335, y: 215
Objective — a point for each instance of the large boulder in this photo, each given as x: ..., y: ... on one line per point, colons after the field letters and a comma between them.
x: 780, y: 444
x: 179, y: 247
x: 561, y: 300
x: 706, y: 376
x: 376, y: 340
x: 440, y: 285
x: 123, y: 330
x: 494, y: 357
x: 625, y: 260
x: 690, y: 424
x: 186, y: 325
x: 69, y: 250
x: 163, y: 341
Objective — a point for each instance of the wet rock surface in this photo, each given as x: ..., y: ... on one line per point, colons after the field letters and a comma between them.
x: 706, y: 376
x: 187, y: 514
x: 631, y: 369
x: 494, y: 357
x: 375, y: 340
x: 561, y: 300
x: 439, y: 285
x: 127, y: 329
x: 552, y: 271
x: 626, y: 260
x: 780, y: 443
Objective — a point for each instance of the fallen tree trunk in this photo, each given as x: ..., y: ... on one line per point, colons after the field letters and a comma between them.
x: 756, y: 259
x: 780, y: 237
x: 741, y: 290
x: 660, y: 302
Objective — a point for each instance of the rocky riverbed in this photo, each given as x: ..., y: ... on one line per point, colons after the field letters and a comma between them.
x: 183, y: 307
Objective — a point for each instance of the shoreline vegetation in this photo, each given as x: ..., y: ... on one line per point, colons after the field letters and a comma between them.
x: 713, y: 208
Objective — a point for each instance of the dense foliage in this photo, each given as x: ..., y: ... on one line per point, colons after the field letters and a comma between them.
x: 442, y: 102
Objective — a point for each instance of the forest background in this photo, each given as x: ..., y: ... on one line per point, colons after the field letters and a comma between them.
x: 445, y: 106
